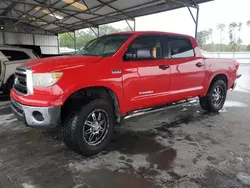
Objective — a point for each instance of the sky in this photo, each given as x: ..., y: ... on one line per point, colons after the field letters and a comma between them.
x: 211, y: 14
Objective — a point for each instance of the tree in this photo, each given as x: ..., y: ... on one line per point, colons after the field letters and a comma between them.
x: 84, y: 36
x: 248, y: 47
x: 221, y: 27
x: 248, y: 23
x: 234, y: 30
x: 239, y: 40
x: 210, y: 34
x: 202, y: 37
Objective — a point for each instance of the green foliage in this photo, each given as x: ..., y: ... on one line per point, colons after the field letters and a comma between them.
x: 235, y: 42
x: 84, y: 36
x: 202, y: 37
x: 248, y: 23
x: 248, y: 47
x: 224, y: 47
x: 234, y: 30
x: 221, y: 27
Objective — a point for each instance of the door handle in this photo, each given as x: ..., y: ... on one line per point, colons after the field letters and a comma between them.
x: 164, y: 67
x: 199, y: 64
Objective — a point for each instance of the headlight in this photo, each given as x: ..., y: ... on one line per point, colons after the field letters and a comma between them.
x: 45, y: 79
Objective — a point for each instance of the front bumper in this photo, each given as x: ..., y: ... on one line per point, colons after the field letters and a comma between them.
x: 37, y: 117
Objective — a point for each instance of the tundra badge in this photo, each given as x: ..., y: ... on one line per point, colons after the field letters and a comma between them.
x: 116, y: 71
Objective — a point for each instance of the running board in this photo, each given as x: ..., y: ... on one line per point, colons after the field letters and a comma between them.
x: 159, y: 108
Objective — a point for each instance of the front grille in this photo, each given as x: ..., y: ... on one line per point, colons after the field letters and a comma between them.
x: 20, y: 84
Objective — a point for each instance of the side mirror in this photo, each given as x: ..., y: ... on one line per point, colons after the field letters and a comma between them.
x: 139, y: 54
x: 144, y: 53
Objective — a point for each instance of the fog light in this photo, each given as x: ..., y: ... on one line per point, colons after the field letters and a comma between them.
x: 38, y: 116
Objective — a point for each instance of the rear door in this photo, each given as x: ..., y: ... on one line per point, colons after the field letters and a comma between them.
x: 187, y: 70
x: 145, y: 80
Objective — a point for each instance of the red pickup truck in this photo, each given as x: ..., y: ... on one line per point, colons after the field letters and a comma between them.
x: 115, y: 76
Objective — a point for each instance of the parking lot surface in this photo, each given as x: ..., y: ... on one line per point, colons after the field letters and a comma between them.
x: 181, y: 147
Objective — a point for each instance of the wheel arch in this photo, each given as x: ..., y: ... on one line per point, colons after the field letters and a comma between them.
x: 84, y: 95
x: 218, y: 76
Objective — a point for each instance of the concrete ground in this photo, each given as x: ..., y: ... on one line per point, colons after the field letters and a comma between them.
x: 181, y: 147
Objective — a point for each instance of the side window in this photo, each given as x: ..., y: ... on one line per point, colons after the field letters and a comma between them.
x: 14, y: 55
x: 181, y: 48
x: 145, y: 48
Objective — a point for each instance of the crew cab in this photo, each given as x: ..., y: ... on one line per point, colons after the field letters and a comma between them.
x: 113, y: 77
x: 10, y: 59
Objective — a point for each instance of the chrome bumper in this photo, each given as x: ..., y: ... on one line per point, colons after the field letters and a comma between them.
x: 37, y: 117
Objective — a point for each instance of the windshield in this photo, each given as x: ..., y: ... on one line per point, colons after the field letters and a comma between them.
x: 104, y: 46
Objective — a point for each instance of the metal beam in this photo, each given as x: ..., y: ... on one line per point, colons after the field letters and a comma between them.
x: 181, y: 3
x: 110, y: 6
x: 70, y: 36
x: 106, y: 15
x: 191, y: 14
x: 195, y: 19
x: 37, y: 20
x: 44, y: 5
x: 96, y: 33
x: 129, y: 25
x: 193, y: 1
x: 68, y: 16
x: 5, y: 12
x: 32, y: 8
x: 85, y: 12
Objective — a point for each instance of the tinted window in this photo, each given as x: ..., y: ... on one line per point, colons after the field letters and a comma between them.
x: 105, y: 45
x: 181, y: 48
x: 13, y: 55
x: 148, y: 44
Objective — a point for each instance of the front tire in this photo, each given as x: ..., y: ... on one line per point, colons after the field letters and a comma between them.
x: 215, y: 97
x: 89, y: 129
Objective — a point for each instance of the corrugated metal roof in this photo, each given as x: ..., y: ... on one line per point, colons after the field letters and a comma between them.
x: 57, y: 16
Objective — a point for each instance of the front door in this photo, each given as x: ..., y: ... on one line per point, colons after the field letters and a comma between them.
x: 146, y: 75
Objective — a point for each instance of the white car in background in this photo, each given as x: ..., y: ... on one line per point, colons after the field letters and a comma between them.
x: 10, y: 59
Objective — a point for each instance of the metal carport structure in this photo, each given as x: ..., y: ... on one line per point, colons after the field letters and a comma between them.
x: 58, y: 16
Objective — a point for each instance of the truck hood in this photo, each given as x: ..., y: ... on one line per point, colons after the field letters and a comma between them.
x: 59, y: 63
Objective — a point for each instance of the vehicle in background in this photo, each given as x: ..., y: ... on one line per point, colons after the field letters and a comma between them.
x: 10, y: 59
x: 114, y: 77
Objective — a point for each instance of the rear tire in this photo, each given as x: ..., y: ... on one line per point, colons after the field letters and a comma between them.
x: 215, y: 97
x: 88, y: 129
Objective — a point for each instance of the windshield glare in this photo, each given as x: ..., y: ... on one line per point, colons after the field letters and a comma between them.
x: 104, y: 46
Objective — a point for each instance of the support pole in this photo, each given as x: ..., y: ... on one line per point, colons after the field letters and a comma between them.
x: 134, y: 24
x: 58, y: 43
x: 98, y: 31
x: 75, y: 41
x: 197, y: 21
x: 3, y: 35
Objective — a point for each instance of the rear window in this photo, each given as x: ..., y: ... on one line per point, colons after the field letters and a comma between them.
x: 181, y: 48
x: 15, y: 55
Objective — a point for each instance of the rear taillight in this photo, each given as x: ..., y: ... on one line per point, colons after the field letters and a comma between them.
x: 237, y: 64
